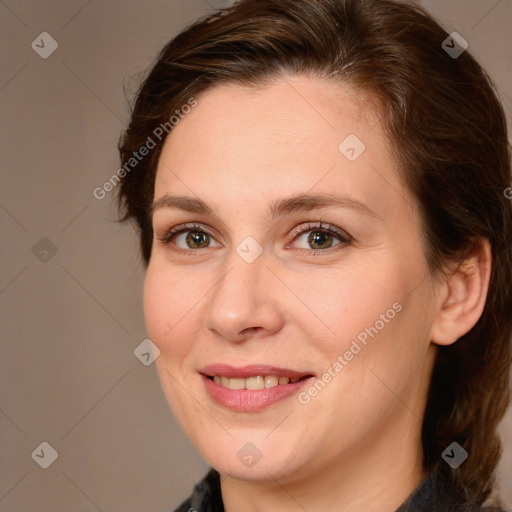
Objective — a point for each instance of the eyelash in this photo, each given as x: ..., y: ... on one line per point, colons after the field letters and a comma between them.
x: 343, y: 237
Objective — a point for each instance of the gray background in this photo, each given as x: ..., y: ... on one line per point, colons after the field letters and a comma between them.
x: 71, y: 320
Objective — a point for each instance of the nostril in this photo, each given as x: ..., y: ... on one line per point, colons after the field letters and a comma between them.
x: 251, y: 329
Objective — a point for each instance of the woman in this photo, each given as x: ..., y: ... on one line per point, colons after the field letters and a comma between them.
x: 319, y: 187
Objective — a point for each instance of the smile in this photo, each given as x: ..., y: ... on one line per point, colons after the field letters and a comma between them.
x: 251, y: 388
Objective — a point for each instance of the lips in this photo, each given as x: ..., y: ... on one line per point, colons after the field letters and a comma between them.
x: 251, y: 388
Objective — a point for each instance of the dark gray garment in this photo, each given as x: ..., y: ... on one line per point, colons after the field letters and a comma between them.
x: 430, y: 496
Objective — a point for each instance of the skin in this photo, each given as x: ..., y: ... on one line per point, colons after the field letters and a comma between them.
x: 357, y: 442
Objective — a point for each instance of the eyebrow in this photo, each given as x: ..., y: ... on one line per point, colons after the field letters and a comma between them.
x: 278, y: 208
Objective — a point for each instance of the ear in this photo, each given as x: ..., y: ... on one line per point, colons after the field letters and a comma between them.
x: 461, y: 296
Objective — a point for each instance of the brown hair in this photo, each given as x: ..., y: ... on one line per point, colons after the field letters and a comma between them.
x: 448, y: 134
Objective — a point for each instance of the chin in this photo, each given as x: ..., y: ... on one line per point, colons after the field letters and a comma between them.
x: 257, y: 460
x: 262, y: 471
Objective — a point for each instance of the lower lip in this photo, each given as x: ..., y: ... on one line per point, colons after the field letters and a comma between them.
x: 246, y: 400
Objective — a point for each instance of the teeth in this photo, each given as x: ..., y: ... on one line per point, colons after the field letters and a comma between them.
x: 271, y: 381
x: 237, y: 383
x: 254, y: 383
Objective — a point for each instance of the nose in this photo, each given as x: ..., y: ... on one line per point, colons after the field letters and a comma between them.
x: 244, y: 303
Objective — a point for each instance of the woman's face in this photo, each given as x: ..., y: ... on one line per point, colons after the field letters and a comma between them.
x: 301, y: 258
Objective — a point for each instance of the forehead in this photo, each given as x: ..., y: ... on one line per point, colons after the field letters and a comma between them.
x: 292, y: 114
x: 251, y: 143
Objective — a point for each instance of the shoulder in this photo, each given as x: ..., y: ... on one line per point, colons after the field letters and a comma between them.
x: 434, y: 494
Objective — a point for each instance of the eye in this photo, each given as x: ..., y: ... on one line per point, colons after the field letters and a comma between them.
x: 314, y: 237
x: 188, y: 237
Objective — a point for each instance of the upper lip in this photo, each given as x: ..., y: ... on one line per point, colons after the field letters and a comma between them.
x: 253, y: 370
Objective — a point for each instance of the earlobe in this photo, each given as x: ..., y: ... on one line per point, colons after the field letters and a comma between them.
x: 462, y: 296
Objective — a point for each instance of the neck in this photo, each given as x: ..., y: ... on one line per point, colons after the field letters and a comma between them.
x: 377, y: 476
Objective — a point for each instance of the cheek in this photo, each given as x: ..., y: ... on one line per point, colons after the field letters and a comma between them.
x: 352, y: 301
x: 377, y: 326
x: 382, y: 342
x: 166, y: 312
x: 166, y: 308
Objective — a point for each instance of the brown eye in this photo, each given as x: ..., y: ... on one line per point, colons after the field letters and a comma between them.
x: 188, y: 237
x: 321, y: 239
x: 197, y: 239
